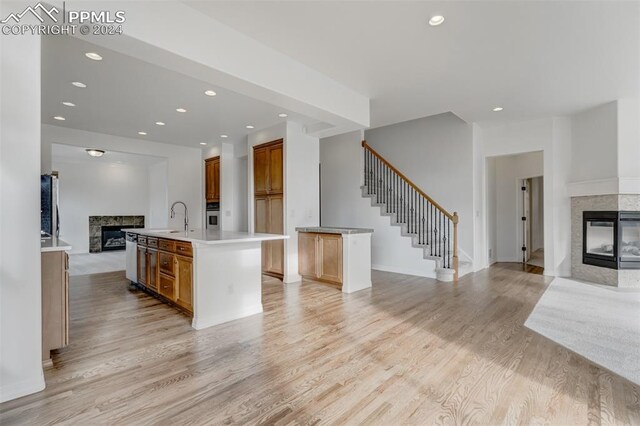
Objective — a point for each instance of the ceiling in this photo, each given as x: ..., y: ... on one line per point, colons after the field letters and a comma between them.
x: 534, y: 59
x: 125, y: 95
x: 75, y: 154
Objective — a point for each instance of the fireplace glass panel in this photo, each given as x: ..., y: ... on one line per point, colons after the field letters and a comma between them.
x: 600, y: 238
x: 630, y: 240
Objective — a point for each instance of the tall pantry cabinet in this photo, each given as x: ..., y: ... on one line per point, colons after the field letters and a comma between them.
x: 268, y: 183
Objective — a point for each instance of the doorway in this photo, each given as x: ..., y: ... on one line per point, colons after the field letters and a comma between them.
x: 533, y: 222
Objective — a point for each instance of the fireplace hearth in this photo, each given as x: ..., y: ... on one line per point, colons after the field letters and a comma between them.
x: 611, y: 239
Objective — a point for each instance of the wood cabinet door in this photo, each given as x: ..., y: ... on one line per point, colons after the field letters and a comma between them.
x: 330, y: 255
x: 276, y: 226
x: 166, y: 263
x: 142, y: 265
x: 276, y: 170
x: 208, y: 181
x: 262, y: 225
x: 167, y: 286
x: 260, y: 170
x: 152, y: 268
x: 184, y: 279
x: 216, y: 180
x: 307, y: 254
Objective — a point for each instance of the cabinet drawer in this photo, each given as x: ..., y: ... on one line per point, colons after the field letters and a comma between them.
x: 152, y: 242
x: 184, y: 248
x: 167, y: 245
x: 142, y: 241
x: 167, y: 261
x: 167, y: 287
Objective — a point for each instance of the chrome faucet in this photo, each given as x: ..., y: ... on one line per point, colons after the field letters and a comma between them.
x: 186, y: 214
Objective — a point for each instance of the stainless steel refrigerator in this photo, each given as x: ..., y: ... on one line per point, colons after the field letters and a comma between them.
x: 49, y: 218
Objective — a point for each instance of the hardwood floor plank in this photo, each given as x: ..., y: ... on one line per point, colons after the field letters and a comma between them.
x: 409, y: 350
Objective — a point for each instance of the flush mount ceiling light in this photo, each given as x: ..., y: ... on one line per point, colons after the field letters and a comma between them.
x: 203, y: 143
x: 497, y: 109
x: 436, y: 20
x: 210, y: 93
x: 282, y: 115
x: 58, y: 117
x: 93, y: 56
x: 224, y: 136
x: 160, y: 123
x: 181, y: 110
x: 249, y: 126
x: 69, y: 104
x: 142, y: 133
x: 95, y: 152
x: 78, y: 84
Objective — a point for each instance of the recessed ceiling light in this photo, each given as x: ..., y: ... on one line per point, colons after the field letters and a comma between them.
x: 249, y: 126
x: 58, y: 117
x: 203, y: 143
x: 160, y: 123
x: 282, y: 115
x: 69, y: 104
x: 436, y: 20
x: 78, y: 84
x: 95, y: 152
x: 181, y: 110
x: 93, y: 56
x: 224, y: 136
x: 142, y: 133
x: 497, y: 109
x: 210, y: 93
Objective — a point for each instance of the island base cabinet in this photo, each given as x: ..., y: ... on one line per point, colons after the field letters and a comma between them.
x: 55, y: 302
x: 320, y: 257
x: 184, y: 284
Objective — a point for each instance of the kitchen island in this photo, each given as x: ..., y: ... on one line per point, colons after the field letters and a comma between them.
x: 338, y: 256
x: 214, y: 275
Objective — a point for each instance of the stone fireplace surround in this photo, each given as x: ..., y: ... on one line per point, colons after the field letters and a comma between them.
x: 97, y: 222
x: 624, y: 278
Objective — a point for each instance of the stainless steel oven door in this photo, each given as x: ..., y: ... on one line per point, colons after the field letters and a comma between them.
x: 213, y: 220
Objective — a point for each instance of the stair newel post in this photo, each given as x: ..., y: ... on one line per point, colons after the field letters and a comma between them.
x: 455, y: 246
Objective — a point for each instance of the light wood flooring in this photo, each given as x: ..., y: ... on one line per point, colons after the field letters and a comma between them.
x: 408, y: 351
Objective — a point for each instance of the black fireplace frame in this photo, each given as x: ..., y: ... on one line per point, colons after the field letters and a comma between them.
x: 614, y: 217
x: 107, y: 228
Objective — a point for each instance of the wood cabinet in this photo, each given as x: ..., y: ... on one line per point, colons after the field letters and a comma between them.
x: 55, y: 302
x: 184, y: 277
x: 212, y: 179
x: 268, y: 168
x: 167, y: 271
x: 320, y: 257
x: 268, y: 180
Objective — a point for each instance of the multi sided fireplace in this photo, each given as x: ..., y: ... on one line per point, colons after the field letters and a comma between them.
x: 611, y: 239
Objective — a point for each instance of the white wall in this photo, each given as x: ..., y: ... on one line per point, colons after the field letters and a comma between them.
x: 185, y: 180
x: 20, y: 280
x: 158, y: 207
x: 436, y: 154
x: 509, y: 172
x: 98, y: 189
x: 594, y: 143
x: 343, y: 205
x: 301, y: 185
x: 552, y: 136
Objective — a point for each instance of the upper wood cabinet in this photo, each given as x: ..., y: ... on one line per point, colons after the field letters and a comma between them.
x: 212, y: 179
x: 268, y: 168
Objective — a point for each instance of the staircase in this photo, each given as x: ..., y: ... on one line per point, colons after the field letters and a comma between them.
x: 430, y: 227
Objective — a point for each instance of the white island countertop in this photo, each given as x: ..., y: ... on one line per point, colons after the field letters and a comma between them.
x: 204, y: 236
x: 54, y: 244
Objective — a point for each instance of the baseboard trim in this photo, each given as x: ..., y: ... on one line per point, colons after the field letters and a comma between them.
x: 404, y: 271
x: 23, y: 388
x: 200, y: 323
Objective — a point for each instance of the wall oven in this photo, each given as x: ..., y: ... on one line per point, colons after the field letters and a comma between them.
x: 213, y: 216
